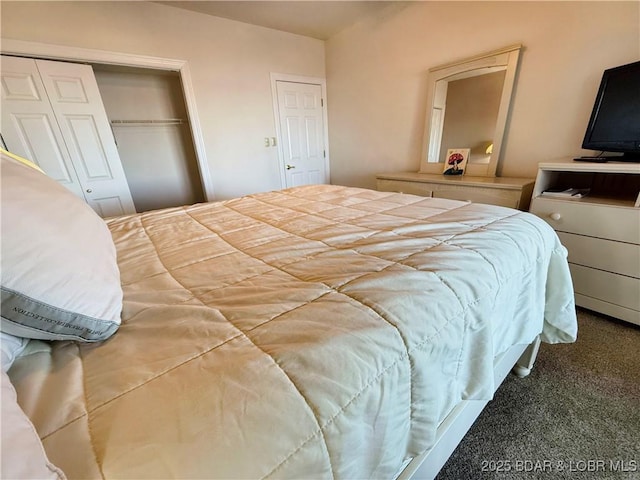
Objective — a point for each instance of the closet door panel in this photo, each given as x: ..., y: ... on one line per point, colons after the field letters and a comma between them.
x: 75, y: 98
x: 66, y: 89
x: 19, y: 86
x: 106, y: 206
x: 86, y: 140
x: 39, y: 143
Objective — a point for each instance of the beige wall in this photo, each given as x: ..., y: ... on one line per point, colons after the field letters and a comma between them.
x: 230, y: 64
x: 377, y: 69
x: 376, y: 74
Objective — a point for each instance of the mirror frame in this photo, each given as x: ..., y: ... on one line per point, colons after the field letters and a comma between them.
x: 503, y: 59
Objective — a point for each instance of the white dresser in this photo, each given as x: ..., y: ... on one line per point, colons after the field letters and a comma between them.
x: 600, y: 230
x: 504, y: 191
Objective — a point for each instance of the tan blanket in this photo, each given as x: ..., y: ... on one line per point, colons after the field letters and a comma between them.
x: 315, y: 332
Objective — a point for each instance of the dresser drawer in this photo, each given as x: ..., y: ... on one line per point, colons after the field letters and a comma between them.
x: 615, y: 311
x: 604, y: 221
x: 414, y: 188
x: 503, y: 198
x: 617, y: 257
x: 610, y: 287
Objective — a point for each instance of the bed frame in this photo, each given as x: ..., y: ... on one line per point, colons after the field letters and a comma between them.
x: 519, y: 359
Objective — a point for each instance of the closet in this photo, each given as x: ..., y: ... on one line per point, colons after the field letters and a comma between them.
x: 132, y: 152
x: 148, y: 117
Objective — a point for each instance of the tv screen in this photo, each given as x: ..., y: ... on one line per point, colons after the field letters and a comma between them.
x: 615, y: 120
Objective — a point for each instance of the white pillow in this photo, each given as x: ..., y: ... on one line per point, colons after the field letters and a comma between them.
x: 60, y: 279
x: 23, y: 455
x: 10, y: 348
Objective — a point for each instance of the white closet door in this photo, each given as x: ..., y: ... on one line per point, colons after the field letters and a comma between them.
x: 75, y: 98
x: 302, y: 130
x: 29, y: 127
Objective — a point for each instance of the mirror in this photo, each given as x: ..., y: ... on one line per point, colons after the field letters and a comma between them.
x: 467, y: 106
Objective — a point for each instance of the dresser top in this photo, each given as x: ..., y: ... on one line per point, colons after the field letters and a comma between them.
x: 491, y: 182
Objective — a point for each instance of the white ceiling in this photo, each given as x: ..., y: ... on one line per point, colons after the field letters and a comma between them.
x: 317, y: 19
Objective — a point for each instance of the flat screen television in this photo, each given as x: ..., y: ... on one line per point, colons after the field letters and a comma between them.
x: 614, y: 125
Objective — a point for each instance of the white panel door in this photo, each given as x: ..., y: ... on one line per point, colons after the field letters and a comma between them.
x: 29, y: 127
x: 300, y: 112
x: 75, y: 98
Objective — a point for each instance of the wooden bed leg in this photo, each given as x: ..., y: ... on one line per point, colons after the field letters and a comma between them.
x: 523, y: 366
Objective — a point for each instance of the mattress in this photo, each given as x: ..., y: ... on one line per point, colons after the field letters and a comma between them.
x: 313, y: 332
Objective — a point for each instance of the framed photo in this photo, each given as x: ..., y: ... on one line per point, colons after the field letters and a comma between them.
x: 456, y: 161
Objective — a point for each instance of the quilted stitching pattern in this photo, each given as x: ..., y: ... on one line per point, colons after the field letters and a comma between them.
x: 322, y: 330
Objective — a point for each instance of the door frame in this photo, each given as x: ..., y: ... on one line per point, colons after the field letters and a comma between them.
x: 86, y: 55
x: 322, y: 82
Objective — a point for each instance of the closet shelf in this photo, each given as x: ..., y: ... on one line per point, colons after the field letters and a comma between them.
x: 164, y: 121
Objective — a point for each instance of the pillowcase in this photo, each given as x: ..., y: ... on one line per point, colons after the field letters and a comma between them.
x: 10, y: 348
x: 60, y: 279
x: 28, y: 163
x: 23, y: 455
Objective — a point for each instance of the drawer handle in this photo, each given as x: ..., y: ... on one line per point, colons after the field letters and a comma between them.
x: 555, y: 216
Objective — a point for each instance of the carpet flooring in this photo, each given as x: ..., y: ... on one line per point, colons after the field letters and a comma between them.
x: 576, y: 416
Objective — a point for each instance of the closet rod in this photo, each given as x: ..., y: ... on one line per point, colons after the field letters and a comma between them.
x: 167, y: 121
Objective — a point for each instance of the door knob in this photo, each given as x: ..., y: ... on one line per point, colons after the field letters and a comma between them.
x: 289, y: 167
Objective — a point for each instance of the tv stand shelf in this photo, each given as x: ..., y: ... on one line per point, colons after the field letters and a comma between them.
x: 601, y: 231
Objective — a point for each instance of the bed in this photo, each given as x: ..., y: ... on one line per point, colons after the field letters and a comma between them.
x: 314, y: 332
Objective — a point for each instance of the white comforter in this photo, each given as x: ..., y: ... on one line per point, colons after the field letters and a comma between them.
x: 315, y: 332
